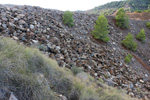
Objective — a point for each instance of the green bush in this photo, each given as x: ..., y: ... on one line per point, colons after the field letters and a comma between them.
x: 122, y: 19
x: 141, y: 35
x: 101, y: 29
x: 148, y: 25
x: 128, y: 58
x: 129, y: 43
x: 68, y: 18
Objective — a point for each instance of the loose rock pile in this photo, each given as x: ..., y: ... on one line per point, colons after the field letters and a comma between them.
x: 74, y: 46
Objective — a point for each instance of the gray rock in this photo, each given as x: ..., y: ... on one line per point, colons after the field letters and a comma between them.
x: 35, y: 41
x: 11, y: 24
x: 110, y: 82
x: 4, y: 26
x: 12, y: 97
x: 21, y: 22
x: 16, y: 19
x: 4, y: 19
x: 32, y: 27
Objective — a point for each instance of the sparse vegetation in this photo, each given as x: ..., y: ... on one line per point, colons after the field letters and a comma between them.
x: 68, y: 18
x: 129, y: 42
x: 138, y: 11
x: 141, y: 35
x: 148, y: 25
x: 128, y: 58
x: 30, y: 75
x: 76, y: 70
x: 101, y: 29
x: 133, y: 5
x: 122, y: 19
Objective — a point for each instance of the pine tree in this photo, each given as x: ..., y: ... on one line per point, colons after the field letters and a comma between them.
x: 129, y: 42
x: 101, y: 29
x: 68, y: 18
x: 141, y: 35
x: 128, y: 58
x: 122, y: 19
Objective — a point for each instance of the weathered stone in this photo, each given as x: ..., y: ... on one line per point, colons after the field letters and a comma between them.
x: 35, y: 41
x: 131, y: 94
x: 12, y: 97
x: 21, y: 22
x: 15, y: 38
x: 32, y: 27
x: 4, y: 26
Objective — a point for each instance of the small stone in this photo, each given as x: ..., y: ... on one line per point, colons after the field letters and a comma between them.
x: 4, y: 19
x: 12, y: 97
x: 89, y: 67
x: 131, y: 86
x: 31, y: 26
x: 4, y: 25
x: 15, y: 38
x: 57, y: 48
x: 62, y: 97
x: 47, y: 36
x: 21, y: 22
x: 15, y: 34
x: 84, y: 57
x: 95, y: 74
x: 35, y: 41
x: 23, y: 38
x: 16, y: 19
x: 141, y: 81
x: 131, y: 94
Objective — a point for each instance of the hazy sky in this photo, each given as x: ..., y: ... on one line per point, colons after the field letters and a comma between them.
x: 71, y: 5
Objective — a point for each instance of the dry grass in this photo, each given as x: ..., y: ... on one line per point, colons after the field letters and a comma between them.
x: 33, y: 76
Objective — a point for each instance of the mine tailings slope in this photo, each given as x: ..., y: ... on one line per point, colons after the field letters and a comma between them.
x: 44, y: 29
x: 143, y: 49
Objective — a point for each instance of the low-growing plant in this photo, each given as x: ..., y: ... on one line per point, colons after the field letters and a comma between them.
x: 148, y: 25
x: 128, y: 58
x: 141, y: 35
x: 129, y: 43
x: 68, y: 18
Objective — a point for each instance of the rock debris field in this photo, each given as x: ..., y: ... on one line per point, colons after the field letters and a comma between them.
x: 43, y: 28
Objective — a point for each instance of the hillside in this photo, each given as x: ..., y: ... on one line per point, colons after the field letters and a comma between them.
x: 26, y: 74
x: 75, y: 47
x: 129, y: 5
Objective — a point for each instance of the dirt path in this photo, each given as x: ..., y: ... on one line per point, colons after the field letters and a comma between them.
x: 142, y: 63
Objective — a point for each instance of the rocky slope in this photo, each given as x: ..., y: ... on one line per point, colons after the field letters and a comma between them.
x: 75, y: 46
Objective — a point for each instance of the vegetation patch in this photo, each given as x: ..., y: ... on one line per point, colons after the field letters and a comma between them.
x: 128, y: 58
x: 76, y: 70
x: 101, y: 29
x: 148, y: 25
x: 141, y: 36
x: 122, y: 19
x: 68, y: 18
x: 30, y: 75
x: 129, y: 42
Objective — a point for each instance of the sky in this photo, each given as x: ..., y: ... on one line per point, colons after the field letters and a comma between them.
x: 63, y: 5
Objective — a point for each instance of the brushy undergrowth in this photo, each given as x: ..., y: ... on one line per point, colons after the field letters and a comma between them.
x: 30, y: 75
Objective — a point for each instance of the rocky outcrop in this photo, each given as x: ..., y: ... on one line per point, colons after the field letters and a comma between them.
x: 75, y: 46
